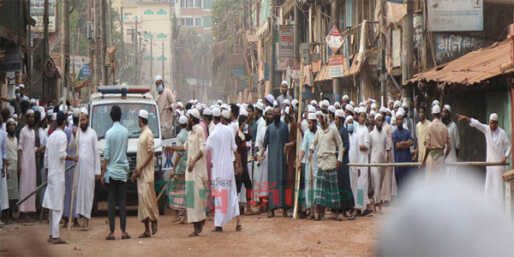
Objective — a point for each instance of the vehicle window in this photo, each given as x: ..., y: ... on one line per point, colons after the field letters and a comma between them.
x: 101, y: 118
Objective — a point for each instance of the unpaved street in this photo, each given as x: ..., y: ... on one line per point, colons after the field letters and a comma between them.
x: 261, y: 236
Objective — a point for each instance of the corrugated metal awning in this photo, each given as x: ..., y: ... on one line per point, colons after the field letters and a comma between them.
x: 472, y: 68
x: 322, y: 74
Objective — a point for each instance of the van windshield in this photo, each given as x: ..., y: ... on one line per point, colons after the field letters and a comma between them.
x: 101, y: 118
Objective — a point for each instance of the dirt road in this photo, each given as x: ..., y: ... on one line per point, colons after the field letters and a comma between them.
x: 261, y: 236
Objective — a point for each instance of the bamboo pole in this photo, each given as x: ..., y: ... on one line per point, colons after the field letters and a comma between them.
x: 74, y: 181
x: 414, y: 164
x: 298, y: 144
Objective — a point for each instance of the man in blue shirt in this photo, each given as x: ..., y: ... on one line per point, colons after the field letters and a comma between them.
x: 402, y: 141
x: 114, y: 171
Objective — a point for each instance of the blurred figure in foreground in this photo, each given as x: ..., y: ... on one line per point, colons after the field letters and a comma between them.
x: 455, y: 228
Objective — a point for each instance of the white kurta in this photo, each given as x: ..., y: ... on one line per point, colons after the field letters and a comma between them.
x: 353, y: 157
x: 27, y: 145
x: 498, y: 148
x: 453, y: 133
x: 261, y: 171
x: 380, y: 145
x: 362, y: 139
x: 88, y: 166
x: 222, y: 145
x: 55, y: 156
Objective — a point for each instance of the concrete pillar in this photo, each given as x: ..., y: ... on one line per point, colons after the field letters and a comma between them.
x: 334, y: 15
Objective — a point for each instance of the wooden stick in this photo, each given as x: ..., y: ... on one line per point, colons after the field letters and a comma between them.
x: 414, y: 164
x: 298, y: 144
x: 74, y: 181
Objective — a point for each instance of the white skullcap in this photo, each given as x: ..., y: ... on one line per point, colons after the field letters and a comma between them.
x: 21, y: 86
x: 352, y: 103
x: 270, y: 99
x: 11, y: 120
x: 388, y: 110
x: 374, y: 106
x: 286, y: 102
x: 378, y: 115
x: 259, y: 105
x: 313, y: 102
x: 29, y: 111
x: 225, y: 114
x: 405, y: 105
x: 324, y: 103
x: 294, y: 102
x: 311, y: 108
x: 400, y: 112
x: 195, y: 113
x: 337, y: 105
x: 321, y: 114
x: 312, y: 116
x: 225, y: 106
x: 143, y: 114
x: 216, y: 112
x: 180, y: 104
x: 219, y: 102
x: 207, y: 112
x: 436, y: 109
x: 32, y: 101
x: 54, y: 116
x: 287, y: 110
x: 26, y: 98
x: 349, y: 107
x: 50, y: 112
x: 243, y: 112
x: 332, y: 109
x: 43, y: 115
x: 390, y: 101
x: 447, y: 107
x: 268, y: 109
x: 345, y: 98
x: 340, y: 113
x: 383, y: 109
x: 158, y: 77
x: 63, y: 108
x: 357, y: 110
x: 15, y: 116
x: 348, y: 118
x: 493, y: 117
x: 182, y: 120
x: 435, y: 102
x: 284, y: 82
x: 397, y: 104
x: 362, y: 104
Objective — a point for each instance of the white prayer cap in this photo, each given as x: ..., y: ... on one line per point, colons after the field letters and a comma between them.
x: 493, y: 117
x: 337, y: 105
x: 312, y: 116
x: 243, y: 112
x: 180, y: 104
x: 349, y: 108
x: 436, y: 109
x: 182, y: 120
x: 435, y: 102
x: 287, y: 110
x: 219, y: 102
x: 357, y: 110
x: 50, y: 112
x: 378, y: 115
x: 63, y: 108
x: 207, y: 112
x: 405, y: 105
x: 268, y: 109
x: 286, y: 102
x: 270, y: 99
x: 311, y: 108
x: 143, y: 114
x: 195, y: 113
x: 345, y: 98
x: 259, y: 105
x: 21, y: 86
x: 43, y: 115
x: 284, y: 82
x: 313, y: 102
x: 388, y: 110
x: 225, y: 106
x: 362, y: 104
x: 32, y: 101
x: 374, y: 106
x: 390, y: 101
x: 158, y: 77
x: 11, y: 120
x: 216, y: 112
x: 321, y: 114
x: 225, y: 114
x: 54, y: 116
x: 396, y: 104
x: 332, y: 109
x: 352, y: 103
x: 340, y: 113
x: 324, y: 104
x: 29, y: 111
x: 348, y: 118
x: 26, y: 98
x: 383, y: 109
x: 400, y: 112
x: 294, y: 102
x: 447, y: 107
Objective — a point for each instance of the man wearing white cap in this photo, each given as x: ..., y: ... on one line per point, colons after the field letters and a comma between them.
x: 309, y: 166
x: 147, y: 211
x: 402, y: 141
x: 437, y: 142
x: 165, y: 101
x: 27, y: 160
x: 177, y: 183
x: 284, y: 94
x: 343, y: 175
x: 88, y: 168
x: 363, y: 146
x: 453, y: 133
x: 380, y: 153
x: 498, y: 150
x: 261, y: 172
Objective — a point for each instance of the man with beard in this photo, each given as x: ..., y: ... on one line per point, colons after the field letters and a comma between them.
x: 11, y: 149
x: 380, y: 153
x: 363, y: 148
x: 242, y: 141
x: 421, y: 132
x: 165, y: 100
x: 290, y: 149
x: 284, y: 94
x: 88, y: 167
x: 176, y: 190
x: 343, y: 174
x: 71, y: 134
x: 402, y: 141
x: 27, y: 164
x: 437, y: 142
x: 277, y: 135
x: 309, y: 166
x: 453, y: 133
x: 261, y: 171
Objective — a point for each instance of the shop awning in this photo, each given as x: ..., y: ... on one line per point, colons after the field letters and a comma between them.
x: 472, y: 68
x: 322, y: 74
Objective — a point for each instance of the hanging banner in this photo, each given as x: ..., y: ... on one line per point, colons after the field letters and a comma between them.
x: 334, y: 39
x: 285, y: 47
x: 336, y: 66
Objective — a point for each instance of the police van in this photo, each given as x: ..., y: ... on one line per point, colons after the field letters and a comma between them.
x: 130, y: 99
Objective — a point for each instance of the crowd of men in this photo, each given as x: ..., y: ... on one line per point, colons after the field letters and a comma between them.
x: 222, y: 147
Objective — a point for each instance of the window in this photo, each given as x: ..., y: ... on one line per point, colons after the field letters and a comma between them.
x: 189, y: 21
x: 198, y: 22
x: 198, y: 4
x: 207, y: 4
x: 186, y: 3
x: 207, y: 21
x: 129, y: 112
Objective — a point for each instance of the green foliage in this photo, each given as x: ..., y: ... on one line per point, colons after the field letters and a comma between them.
x: 227, y: 21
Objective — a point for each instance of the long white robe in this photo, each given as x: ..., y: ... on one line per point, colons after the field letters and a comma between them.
x: 362, y: 139
x: 453, y: 133
x: 380, y: 145
x: 55, y: 155
x: 27, y: 145
x: 88, y: 167
x: 353, y: 158
x: 222, y: 145
x: 498, y: 148
x: 261, y: 172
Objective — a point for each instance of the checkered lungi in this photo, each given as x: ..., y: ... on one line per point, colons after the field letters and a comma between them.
x: 327, y: 193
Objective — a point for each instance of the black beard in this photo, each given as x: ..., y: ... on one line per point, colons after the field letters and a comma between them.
x: 276, y: 120
x: 313, y: 129
x: 268, y: 121
x: 379, y: 128
x: 400, y: 127
x: 446, y: 120
x: 11, y: 133
x: 84, y: 128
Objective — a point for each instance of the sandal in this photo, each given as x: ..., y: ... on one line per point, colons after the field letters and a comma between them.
x: 154, y: 227
x: 194, y: 234
x: 144, y: 235
x: 58, y: 241
x: 239, y: 228
x: 110, y: 237
x: 125, y: 236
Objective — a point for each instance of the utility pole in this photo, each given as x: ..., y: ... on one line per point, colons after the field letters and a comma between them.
x: 407, y: 35
x: 135, y: 53
x: 172, y: 80
x: 162, y: 56
x: 45, y: 48
x: 65, y: 49
x: 334, y: 14
x: 122, y: 57
x: 98, y: 37
x: 104, y: 43
x: 151, y: 57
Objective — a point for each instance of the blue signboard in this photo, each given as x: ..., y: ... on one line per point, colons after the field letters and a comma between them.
x: 84, y: 72
x: 238, y: 72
